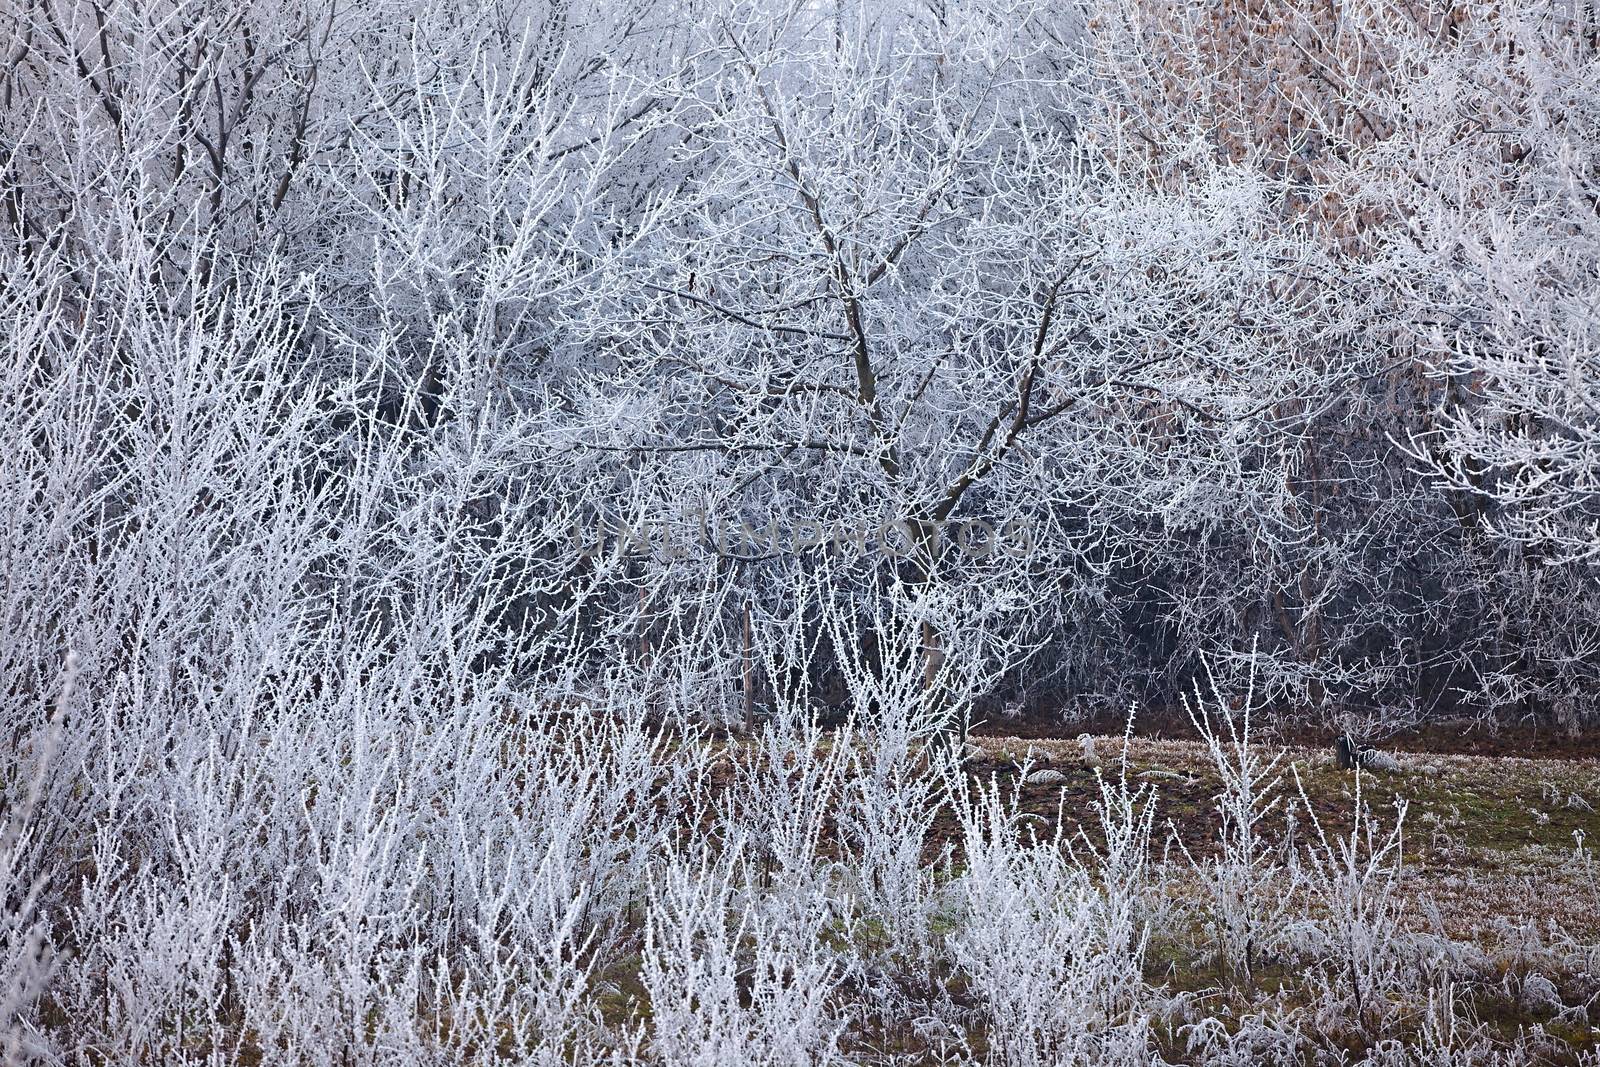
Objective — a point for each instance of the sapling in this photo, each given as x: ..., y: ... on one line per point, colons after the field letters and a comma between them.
x: 1242, y: 877
x: 1353, y: 934
x: 25, y: 949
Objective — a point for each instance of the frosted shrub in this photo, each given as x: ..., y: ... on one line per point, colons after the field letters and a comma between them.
x: 781, y: 804
x: 1053, y: 953
x: 1353, y: 937
x: 1243, y: 878
x: 25, y: 949
x: 886, y: 818
x: 730, y: 982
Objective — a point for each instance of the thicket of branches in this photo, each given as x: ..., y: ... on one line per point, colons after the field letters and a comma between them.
x: 335, y: 334
x: 1272, y: 325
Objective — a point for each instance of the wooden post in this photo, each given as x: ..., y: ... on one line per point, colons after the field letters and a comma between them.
x: 932, y: 659
x: 749, y: 676
x: 933, y: 695
x: 644, y: 632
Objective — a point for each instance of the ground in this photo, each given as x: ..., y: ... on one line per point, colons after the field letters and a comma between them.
x: 1495, y: 861
x: 1476, y: 827
x: 1495, y: 852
